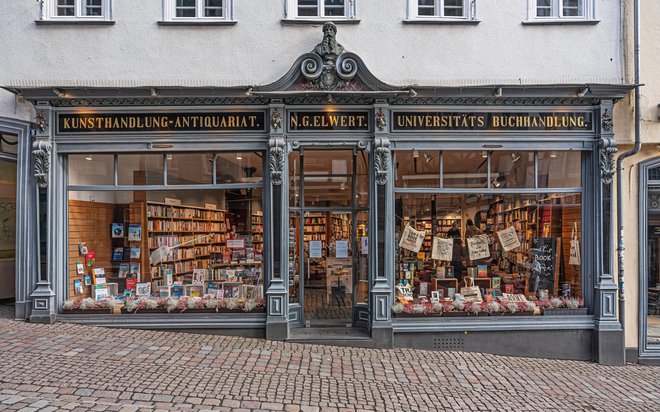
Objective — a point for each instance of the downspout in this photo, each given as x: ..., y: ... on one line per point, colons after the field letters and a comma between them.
x: 619, y: 167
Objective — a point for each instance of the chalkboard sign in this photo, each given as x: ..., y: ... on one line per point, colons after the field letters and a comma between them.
x: 545, y: 265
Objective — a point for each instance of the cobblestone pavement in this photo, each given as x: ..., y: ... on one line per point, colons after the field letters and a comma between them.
x: 73, y: 367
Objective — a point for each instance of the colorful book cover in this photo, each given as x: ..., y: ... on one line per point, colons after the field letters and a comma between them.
x: 508, y: 288
x: 199, y: 276
x: 134, y: 268
x: 88, y: 280
x: 143, y: 289
x: 135, y: 252
x: 80, y: 269
x: 117, y: 253
x: 213, y: 288
x: 450, y: 272
x: 164, y: 292
x: 167, y: 275
x: 77, y: 287
x: 99, y: 276
x: 89, y: 257
x: 482, y: 271
x: 177, y: 290
x: 131, y: 283
x: 117, y: 230
x: 123, y: 270
x: 134, y: 233
x: 82, y: 248
x: 497, y: 282
x: 100, y: 292
x: 440, y: 272
x: 126, y: 254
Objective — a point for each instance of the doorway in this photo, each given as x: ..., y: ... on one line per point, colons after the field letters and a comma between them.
x: 8, y: 146
x: 328, y: 248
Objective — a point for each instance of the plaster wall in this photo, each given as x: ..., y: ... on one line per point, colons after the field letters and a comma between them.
x: 136, y: 51
x: 13, y: 108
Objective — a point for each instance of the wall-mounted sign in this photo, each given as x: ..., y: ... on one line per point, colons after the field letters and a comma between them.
x: 160, y: 122
x: 302, y: 121
x: 450, y: 121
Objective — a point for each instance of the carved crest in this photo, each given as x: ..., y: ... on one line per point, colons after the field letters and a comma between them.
x: 327, y: 67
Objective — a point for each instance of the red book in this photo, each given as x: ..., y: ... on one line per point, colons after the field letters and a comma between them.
x: 131, y: 283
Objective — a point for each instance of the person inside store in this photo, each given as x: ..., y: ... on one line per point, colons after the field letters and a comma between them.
x: 471, y: 230
x: 458, y: 254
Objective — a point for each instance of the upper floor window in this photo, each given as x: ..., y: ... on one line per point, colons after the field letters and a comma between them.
x: 321, y: 9
x: 441, y: 10
x: 561, y: 10
x: 74, y: 10
x: 198, y: 10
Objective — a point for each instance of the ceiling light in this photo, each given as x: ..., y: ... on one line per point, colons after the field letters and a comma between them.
x: 88, y: 158
x: 582, y: 92
x: 415, y: 153
x: 239, y: 156
x: 342, y: 186
x: 484, y: 154
x: 553, y: 154
x: 169, y: 157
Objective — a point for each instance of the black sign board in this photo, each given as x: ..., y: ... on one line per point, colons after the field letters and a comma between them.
x: 302, y: 121
x: 160, y: 122
x: 544, y: 265
x: 451, y: 121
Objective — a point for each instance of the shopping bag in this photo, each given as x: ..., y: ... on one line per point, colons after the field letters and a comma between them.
x: 411, y: 239
x: 471, y: 292
x: 574, y: 258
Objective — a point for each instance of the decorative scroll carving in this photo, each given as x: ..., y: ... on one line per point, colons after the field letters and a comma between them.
x: 381, y: 122
x: 607, y: 165
x: 41, y: 151
x: 382, y: 160
x: 276, y: 161
x: 327, y: 67
x: 607, y: 122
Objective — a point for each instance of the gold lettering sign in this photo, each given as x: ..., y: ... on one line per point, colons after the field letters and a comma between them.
x: 161, y: 122
x: 449, y: 121
x: 301, y: 121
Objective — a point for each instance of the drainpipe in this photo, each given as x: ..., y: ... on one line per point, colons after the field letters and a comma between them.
x: 619, y: 169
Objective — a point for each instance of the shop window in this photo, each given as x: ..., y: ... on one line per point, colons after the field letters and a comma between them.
x: 549, y: 10
x: 198, y: 10
x: 439, y: 10
x: 462, y: 169
x: 239, y: 167
x: 77, y: 10
x: 187, y: 169
x: 320, y: 9
x: 512, y: 170
x: 140, y: 170
x: 417, y: 168
x: 90, y: 169
x: 652, y: 264
x: 8, y: 144
x: 470, y: 253
x: 166, y: 251
x: 559, y: 169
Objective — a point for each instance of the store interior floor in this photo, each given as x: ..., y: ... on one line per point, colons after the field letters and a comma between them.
x: 319, y: 311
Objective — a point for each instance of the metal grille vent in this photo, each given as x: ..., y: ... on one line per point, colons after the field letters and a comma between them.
x: 448, y: 343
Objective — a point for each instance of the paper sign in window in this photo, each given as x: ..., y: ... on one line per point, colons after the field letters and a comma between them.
x: 478, y: 247
x: 411, y: 239
x: 442, y: 249
x: 509, y: 238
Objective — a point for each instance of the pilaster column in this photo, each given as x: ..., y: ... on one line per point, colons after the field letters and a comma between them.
x: 277, y: 293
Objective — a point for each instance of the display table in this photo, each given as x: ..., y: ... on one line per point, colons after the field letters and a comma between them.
x: 338, y: 272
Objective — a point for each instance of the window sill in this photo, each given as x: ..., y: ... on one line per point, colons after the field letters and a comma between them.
x: 559, y: 22
x: 197, y: 23
x: 296, y: 22
x: 80, y: 22
x: 457, y: 22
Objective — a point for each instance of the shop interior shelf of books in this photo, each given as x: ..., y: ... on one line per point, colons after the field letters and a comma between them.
x: 156, y: 249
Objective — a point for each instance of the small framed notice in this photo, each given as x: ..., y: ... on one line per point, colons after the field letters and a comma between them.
x: 341, y: 247
x: 315, y: 249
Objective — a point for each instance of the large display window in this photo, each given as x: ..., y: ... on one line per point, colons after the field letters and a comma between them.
x: 181, y: 249
x: 499, y: 234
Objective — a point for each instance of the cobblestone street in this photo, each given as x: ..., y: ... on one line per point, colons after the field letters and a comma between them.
x: 73, y: 367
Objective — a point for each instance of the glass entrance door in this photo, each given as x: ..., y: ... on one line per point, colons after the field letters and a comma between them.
x: 328, y: 246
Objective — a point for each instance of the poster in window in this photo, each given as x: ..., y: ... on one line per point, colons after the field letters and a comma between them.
x: 509, y: 238
x: 478, y: 247
x: 442, y: 249
x: 315, y: 249
x: 341, y: 248
x: 411, y: 239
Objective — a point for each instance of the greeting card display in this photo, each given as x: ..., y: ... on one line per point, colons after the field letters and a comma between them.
x: 411, y: 239
x: 117, y: 230
x: 99, y: 276
x: 82, y: 248
x: 80, y: 269
x: 134, y: 233
x: 89, y: 258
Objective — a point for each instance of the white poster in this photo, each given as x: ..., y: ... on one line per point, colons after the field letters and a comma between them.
x: 365, y: 246
x: 478, y: 247
x: 411, y: 239
x: 341, y: 248
x: 508, y: 238
x: 315, y: 249
x: 442, y: 249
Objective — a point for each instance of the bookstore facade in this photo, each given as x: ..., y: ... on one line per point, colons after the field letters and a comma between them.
x: 443, y: 218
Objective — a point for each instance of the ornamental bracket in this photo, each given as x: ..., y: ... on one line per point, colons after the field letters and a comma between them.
x: 41, y: 150
x: 276, y: 160
x: 382, y: 160
x: 607, y: 146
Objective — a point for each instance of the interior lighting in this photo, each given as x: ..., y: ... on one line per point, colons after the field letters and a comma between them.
x: 239, y: 156
x: 415, y: 153
x: 484, y: 154
x: 553, y: 154
x: 88, y: 158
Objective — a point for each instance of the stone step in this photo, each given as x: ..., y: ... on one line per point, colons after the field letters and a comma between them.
x: 333, y: 336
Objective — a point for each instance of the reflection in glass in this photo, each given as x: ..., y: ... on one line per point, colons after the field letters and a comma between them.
x: 294, y: 261
x: 417, y: 168
x: 653, y: 256
x: 465, y: 169
x: 559, y: 169
x: 239, y: 167
x: 140, y: 170
x: 92, y: 169
x: 512, y: 170
x: 189, y: 169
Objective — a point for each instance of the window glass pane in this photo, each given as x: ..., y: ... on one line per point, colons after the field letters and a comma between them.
x: 308, y: 8
x: 93, y: 8
x: 140, y: 170
x: 544, y: 8
x: 426, y: 7
x: 66, y: 8
x: 560, y: 169
x: 91, y: 169
x: 465, y: 169
x: 653, y: 259
x: 7, y: 227
x: 213, y: 8
x: 335, y: 7
x: 189, y: 169
x: 417, y: 168
x: 9, y: 143
x: 239, y: 167
x: 294, y: 259
x: 218, y: 234
x: 323, y: 191
x: 453, y: 8
x: 185, y: 8
x: 362, y: 244
x: 541, y: 259
x: 573, y: 8
x: 512, y: 170
x: 294, y: 178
